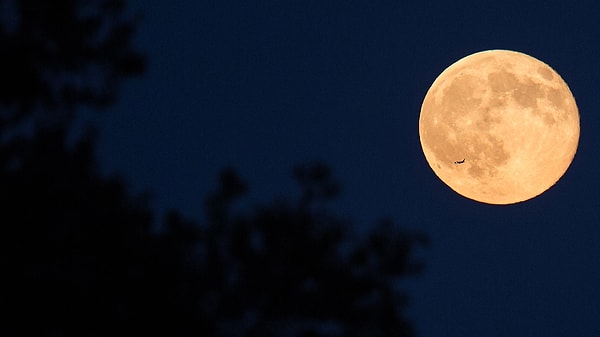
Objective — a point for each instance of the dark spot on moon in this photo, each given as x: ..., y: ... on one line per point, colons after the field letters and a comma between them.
x: 502, y: 81
x: 459, y: 94
x: 547, y: 115
x: 488, y: 117
x: 527, y: 93
x: 546, y: 73
x: 556, y: 97
x: 476, y: 171
x: 491, y: 154
x: 495, y: 152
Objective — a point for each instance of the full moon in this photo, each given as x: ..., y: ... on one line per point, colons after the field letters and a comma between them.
x: 499, y: 127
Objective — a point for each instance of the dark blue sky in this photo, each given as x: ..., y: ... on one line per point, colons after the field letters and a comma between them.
x: 262, y: 85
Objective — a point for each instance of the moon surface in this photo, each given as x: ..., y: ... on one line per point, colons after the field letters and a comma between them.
x: 499, y: 127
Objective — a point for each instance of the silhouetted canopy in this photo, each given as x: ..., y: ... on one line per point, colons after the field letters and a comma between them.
x: 82, y: 256
x: 59, y: 55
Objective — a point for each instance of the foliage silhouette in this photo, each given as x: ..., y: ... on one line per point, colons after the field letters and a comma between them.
x: 79, y: 254
x: 59, y: 55
x: 290, y: 269
x: 77, y: 248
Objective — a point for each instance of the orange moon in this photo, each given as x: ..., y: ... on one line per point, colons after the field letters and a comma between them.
x: 499, y: 127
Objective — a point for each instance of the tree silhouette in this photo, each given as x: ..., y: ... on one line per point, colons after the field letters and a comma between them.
x: 79, y: 254
x: 58, y: 55
x: 291, y: 269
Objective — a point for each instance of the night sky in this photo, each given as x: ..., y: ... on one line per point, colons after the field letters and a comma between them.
x: 263, y: 85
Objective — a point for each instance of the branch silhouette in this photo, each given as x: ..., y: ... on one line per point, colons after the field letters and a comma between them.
x: 81, y: 255
x: 57, y: 56
x: 289, y: 269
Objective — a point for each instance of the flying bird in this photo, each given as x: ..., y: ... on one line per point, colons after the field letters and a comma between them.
x: 459, y: 161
